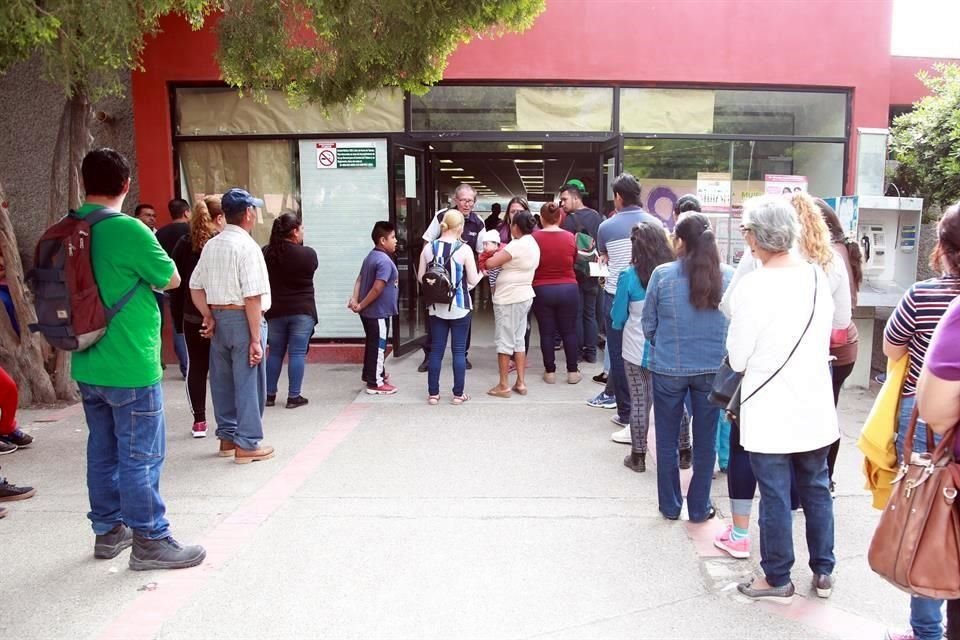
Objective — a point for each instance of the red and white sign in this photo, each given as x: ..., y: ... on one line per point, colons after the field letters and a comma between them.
x: 326, y: 155
x: 776, y: 184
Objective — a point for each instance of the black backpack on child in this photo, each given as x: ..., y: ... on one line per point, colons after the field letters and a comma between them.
x: 437, y: 286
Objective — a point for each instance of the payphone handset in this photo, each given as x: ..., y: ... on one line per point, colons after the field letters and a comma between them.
x: 873, y: 242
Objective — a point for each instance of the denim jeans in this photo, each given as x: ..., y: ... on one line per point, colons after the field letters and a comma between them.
x: 180, y: 348
x: 926, y: 615
x: 556, y: 308
x: 458, y: 329
x: 668, y: 398
x: 810, y: 476
x: 288, y: 335
x: 907, y: 403
x: 239, y: 391
x: 617, y: 375
x: 587, y: 328
x: 125, y: 451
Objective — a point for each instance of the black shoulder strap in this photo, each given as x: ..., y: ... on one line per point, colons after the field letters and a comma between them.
x: 816, y: 286
x: 93, y: 218
x: 576, y: 221
x: 100, y: 215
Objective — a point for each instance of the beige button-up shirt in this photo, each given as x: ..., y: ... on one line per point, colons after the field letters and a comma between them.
x: 231, y: 268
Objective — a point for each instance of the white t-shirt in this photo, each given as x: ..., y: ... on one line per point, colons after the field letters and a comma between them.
x: 794, y: 412
x: 515, y: 282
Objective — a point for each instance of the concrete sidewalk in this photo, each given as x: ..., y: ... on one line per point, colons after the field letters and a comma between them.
x: 383, y: 517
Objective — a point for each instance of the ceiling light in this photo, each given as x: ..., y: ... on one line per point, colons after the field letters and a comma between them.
x: 446, y: 162
x: 450, y: 169
x: 462, y: 177
x: 472, y: 182
x: 514, y: 147
x: 527, y: 161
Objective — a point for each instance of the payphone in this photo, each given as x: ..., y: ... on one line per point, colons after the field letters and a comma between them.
x: 888, y: 232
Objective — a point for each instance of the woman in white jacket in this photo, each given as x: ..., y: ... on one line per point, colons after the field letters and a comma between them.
x: 779, y: 336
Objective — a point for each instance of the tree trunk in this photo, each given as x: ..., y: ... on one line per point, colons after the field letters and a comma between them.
x: 22, y: 356
x: 78, y: 114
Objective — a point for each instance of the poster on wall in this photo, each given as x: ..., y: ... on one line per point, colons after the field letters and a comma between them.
x: 847, y: 209
x: 714, y: 191
x: 334, y: 155
x: 774, y: 184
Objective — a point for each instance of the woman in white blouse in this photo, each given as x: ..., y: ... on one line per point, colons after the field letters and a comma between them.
x: 779, y: 336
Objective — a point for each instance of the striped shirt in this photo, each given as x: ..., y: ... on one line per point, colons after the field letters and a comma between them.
x: 915, y: 319
x: 231, y: 269
x: 463, y: 272
x: 613, y: 239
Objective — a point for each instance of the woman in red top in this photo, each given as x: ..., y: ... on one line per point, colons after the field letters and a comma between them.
x: 557, y: 300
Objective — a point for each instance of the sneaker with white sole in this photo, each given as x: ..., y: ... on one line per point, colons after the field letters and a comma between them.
x: 623, y: 436
x: 199, y: 430
x: 739, y: 549
x: 386, y: 389
x: 899, y: 635
x: 602, y: 401
x: 615, y: 419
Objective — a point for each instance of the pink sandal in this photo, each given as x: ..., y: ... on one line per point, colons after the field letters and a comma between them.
x: 460, y: 399
x: 433, y: 400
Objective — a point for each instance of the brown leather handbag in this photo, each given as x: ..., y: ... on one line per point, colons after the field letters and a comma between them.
x: 916, y: 546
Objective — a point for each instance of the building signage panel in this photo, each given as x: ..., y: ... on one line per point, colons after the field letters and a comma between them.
x: 332, y: 155
x: 356, y: 157
x: 774, y: 184
x: 714, y: 191
x: 326, y: 155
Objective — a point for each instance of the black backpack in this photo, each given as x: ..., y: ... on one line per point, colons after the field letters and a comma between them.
x: 437, y: 286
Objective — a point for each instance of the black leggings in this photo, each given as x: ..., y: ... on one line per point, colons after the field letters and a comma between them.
x: 839, y: 373
x: 198, y: 366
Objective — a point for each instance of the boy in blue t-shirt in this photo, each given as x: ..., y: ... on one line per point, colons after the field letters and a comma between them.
x: 375, y: 297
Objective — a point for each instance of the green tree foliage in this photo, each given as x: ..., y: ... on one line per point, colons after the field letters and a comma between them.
x: 86, y: 44
x: 926, y: 140
x: 334, y: 51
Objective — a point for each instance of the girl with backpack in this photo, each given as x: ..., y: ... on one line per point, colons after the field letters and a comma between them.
x: 451, y: 319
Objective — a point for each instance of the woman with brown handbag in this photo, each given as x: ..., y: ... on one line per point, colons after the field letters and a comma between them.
x: 908, y: 332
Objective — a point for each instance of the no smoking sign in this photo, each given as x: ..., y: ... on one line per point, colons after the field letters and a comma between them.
x: 326, y: 155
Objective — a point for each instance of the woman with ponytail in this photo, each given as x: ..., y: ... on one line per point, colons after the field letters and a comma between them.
x: 206, y: 221
x: 293, y: 314
x: 685, y: 332
x: 843, y: 342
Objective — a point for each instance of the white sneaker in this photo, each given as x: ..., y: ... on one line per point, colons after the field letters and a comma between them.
x: 622, y: 436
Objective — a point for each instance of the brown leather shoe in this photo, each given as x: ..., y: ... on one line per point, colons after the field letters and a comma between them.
x: 246, y: 456
x: 227, y: 449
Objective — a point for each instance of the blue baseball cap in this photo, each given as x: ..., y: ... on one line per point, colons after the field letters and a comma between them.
x: 236, y: 200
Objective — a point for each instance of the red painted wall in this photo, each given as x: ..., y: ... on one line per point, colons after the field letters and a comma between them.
x: 905, y: 89
x: 737, y: 42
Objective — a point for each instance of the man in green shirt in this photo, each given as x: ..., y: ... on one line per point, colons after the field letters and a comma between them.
x: 119, y: 379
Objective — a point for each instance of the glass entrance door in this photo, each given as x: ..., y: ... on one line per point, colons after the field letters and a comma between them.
x: 408, y: 189
x: 611, y: 164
